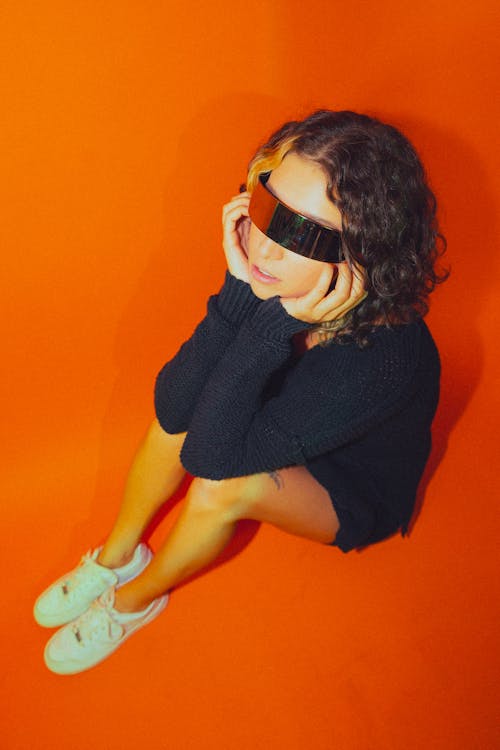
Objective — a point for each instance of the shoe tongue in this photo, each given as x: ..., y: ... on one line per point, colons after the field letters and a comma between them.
x: 107, y: 599
x: 115, y: 629
x: 105, y: 574
x: 109, y: 575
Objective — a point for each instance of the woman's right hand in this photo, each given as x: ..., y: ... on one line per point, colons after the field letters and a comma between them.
x: 235, y: 229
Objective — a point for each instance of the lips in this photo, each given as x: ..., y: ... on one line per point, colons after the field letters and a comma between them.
x: 263, y: 276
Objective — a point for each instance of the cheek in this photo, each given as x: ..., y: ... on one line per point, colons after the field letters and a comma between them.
x: 303, y: 274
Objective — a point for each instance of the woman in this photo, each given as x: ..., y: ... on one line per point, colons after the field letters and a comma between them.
x: 304, y: 398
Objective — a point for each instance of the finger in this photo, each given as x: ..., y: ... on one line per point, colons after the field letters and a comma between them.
x: 318, y: 292
x: 348, y: 293
x: 240, y: 198
x: 234, y: 236
x: 243, y: 196
x: 344, y: 281
x: 359, y: 278
x: 341, y: 312
x: 320, y: 289
x: 357, y: 295
x: 243, y: 232
x: 358, y: 291
x: 235, y: 205
x: 340, y: 294
x: 231, y: 217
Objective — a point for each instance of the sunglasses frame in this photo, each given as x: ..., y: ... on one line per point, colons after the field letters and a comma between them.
x: 291, y: 229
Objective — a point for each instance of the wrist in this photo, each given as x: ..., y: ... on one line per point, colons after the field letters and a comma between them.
x: 236, y: 299
x: 270, y: 320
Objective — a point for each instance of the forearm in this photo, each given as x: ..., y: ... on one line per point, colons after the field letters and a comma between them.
x: 229, y: 434
x: 181, y: 381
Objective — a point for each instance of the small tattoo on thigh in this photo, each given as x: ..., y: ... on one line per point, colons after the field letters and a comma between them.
x: 276, y: 477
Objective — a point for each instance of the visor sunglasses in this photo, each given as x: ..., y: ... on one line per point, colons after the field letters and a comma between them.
x: 290, y: 229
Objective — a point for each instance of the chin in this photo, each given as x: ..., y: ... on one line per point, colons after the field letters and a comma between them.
x: 260, y: 292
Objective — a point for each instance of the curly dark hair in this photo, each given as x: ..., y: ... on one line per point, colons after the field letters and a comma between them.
x: 389, y: 224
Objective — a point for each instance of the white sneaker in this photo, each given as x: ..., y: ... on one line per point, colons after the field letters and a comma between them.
x: 72, y: 594
x: 96, y: 634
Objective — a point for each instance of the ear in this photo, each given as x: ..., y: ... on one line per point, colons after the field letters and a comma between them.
x: 243, y: 229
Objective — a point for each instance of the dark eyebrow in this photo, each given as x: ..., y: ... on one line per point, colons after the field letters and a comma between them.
x: 311, y: 217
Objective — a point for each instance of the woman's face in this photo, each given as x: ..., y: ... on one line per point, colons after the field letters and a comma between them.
x: 274, y: 270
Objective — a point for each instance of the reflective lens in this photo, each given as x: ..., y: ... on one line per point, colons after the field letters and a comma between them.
x: 292, y: 230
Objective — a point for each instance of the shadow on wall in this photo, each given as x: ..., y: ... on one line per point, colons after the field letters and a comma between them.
x: 212, y: 155
x: 467, y: 219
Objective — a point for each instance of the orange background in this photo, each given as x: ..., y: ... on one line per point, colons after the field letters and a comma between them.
x: 125, y: 126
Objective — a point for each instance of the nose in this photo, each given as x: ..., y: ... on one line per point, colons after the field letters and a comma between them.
x: 270, y: 250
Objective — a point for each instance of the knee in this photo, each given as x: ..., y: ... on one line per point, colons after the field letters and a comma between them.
x: 231, y: 498
x: 156, y: 433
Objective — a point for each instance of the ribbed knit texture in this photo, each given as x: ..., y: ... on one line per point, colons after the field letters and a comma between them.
x: 359, y: 419
x: 181, y: 381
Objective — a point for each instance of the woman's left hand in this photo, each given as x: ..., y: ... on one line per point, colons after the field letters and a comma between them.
x: 319, y: 305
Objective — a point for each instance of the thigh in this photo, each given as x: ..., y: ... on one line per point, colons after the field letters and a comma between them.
x: 296, y: 502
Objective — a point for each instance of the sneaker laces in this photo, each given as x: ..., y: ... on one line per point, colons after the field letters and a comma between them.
x: 97, y: 623
x: 80, y: 580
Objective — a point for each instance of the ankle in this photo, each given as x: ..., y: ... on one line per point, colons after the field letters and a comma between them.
x: 111, y: 559
x: 126, y: 602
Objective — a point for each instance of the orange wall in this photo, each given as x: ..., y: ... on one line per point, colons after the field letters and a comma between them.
x: 124, y: 128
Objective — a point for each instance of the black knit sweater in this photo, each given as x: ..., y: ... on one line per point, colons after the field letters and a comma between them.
x: 358, y: 419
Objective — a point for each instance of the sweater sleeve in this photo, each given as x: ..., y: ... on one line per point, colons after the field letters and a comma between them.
x: 181, y: 380
x: 327, y: 400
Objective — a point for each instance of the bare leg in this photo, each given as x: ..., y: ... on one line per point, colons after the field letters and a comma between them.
x: 155, y: 474
x: 290, y: 499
